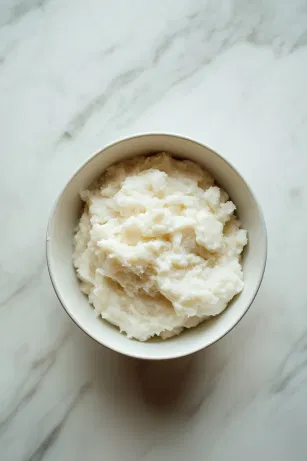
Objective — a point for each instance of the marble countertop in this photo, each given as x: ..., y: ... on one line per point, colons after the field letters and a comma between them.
x: 76, y: 75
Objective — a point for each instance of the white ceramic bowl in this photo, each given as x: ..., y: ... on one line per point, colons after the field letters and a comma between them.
x: 67, y: 211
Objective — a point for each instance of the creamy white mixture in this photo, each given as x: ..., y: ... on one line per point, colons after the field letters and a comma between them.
x: 158, y: 246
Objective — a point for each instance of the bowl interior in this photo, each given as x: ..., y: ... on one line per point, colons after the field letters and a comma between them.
x: 67, y: 211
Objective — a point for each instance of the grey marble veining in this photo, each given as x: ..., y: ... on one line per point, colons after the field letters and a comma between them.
x: 76, y: 75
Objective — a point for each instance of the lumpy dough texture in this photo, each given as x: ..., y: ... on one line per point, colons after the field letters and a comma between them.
x: 158, y: 246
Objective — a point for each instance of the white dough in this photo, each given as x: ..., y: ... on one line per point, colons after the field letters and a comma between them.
x: 158, y: 246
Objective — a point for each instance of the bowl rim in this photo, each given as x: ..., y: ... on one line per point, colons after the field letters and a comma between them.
x: 52, y: 276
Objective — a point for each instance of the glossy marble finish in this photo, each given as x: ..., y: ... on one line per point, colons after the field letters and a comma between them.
x: 76, y: 75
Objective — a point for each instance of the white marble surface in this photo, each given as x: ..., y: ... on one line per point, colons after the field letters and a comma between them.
x: 78, y: 74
